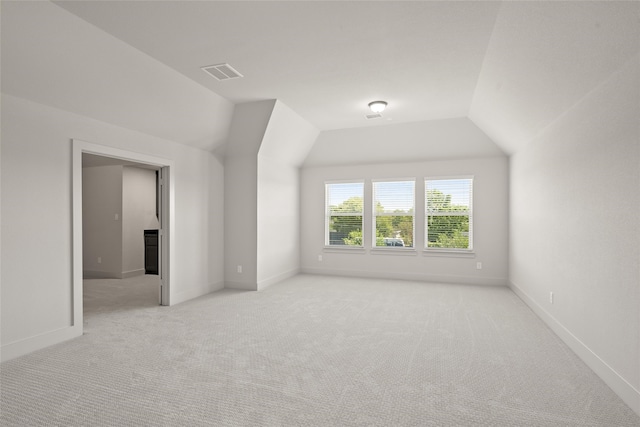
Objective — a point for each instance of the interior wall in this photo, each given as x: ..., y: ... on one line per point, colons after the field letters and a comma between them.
x: 278, y: 222
x: 575, y: 232
x: 431, y: 139
x: 36, y: 160
x: 214, y: 222
x: 115, y: 247
x: 102, y: 221
x: 286, y: 143
x: 490, y: 217
x: 267, y: 144
x: 247, y: 130
x: 138, y: 214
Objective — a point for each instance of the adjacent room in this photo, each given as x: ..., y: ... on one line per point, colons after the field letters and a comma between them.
x: 120, y: 232
x: 363, y: 213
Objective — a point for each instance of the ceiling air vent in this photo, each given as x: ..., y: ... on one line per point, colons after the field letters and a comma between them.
x: 222, y: 72
x: 373, y: 116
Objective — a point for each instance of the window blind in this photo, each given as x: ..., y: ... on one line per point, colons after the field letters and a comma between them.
x: 393, y: 211
x: 449, y: 214
x: 344, y: 213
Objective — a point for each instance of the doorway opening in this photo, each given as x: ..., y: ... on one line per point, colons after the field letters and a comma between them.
x: 124, y: 251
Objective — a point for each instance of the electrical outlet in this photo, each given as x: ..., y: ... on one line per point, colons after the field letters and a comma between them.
x: 479, y: 265
x: 239, y: 269
x: 551, y: 297
x: 320, y: 258
x: 99, y: 260
x: 115, y: 217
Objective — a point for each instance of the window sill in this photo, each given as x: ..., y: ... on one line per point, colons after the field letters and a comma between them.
x: 344, y: 249
x: 396, y: 251
x: 448, y: 253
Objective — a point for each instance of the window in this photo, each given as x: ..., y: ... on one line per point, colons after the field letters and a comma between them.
x: 448, y: 216
x: 393, y: 213
x: 344, y: 204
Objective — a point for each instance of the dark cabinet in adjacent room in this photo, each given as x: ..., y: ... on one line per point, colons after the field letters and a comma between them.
x: 151, y: 251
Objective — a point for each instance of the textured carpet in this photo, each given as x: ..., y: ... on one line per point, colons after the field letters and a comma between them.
x: 310, y: 351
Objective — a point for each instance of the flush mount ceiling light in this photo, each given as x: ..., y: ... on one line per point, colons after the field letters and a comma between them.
x: 377, y: 106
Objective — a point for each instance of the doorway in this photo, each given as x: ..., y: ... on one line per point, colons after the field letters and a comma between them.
x: 163, y: 208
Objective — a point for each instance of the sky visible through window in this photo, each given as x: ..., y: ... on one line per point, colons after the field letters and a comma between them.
x: 341, y: 192
x: 395, y: 195
x: 459, y: 189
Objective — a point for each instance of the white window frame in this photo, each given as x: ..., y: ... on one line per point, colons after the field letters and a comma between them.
x: 328, y: 214
x: 468, y: 213
x: 375, y: 214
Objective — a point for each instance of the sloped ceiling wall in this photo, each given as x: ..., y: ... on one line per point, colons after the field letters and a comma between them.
x: 53, y: 57
x: 403, y: 142
x: 512, y: 68
x: 324, y: 59
x: 288, y: 137
x: 543, y: 58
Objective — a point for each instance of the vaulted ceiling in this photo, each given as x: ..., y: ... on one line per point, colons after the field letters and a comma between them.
x: 511, y: 68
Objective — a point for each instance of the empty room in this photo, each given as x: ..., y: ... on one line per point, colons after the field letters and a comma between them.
x: 361, y: 213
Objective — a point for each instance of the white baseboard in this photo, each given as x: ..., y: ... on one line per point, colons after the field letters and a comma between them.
x: 216, y: 287
x: 195, y: 292
x: 263, y: 284
x: 90, y: 274
x: 37, y: 342
x: 241, y: 286
x: 93, y: 274
x: 132, y: 273
x: 460, y: 280
x: 627, y: 392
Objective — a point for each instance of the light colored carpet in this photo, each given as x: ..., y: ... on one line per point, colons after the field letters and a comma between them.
x: 313, y: 351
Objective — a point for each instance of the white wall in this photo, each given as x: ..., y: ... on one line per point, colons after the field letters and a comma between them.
x: 267, y: 144
x: 102, y: 236
x: 138, y: 214
x: 278, y: 222
x: 286, y: 143
x: 215, y: 222
x: 36, y: 173
x: 489, y: 222
x: 574, y: 229
x: 130, y: 193
x: 432, y: 139
x: 241, y: 193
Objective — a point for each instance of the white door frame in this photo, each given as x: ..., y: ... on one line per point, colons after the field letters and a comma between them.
x: 167, y: 218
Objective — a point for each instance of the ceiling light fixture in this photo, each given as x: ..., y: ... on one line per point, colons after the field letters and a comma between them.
x: 377, y: 106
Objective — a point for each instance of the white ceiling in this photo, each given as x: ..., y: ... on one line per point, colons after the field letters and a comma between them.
x: 512, y: 68
x: 544, y: 57
x: 55, y: 58
x: 325, y: 60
